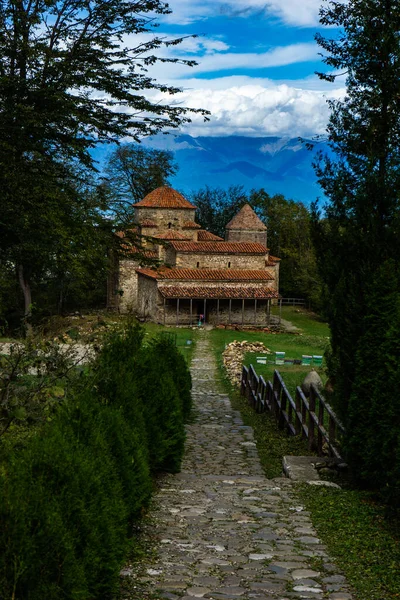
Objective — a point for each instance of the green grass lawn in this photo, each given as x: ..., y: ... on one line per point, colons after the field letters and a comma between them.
x: 311, y: 338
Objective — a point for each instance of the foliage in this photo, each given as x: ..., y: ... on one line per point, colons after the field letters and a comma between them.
x: 63, y: 515
x: 67, y: 83
x: 359, y: 231
x: 69, y: 495
x: 163, y: 405
x: 34, y: 379
x: 374, y: 411
x: 132, y: 172
x: 364, y: 545
x: 216, y: 207
x: 289, y: 237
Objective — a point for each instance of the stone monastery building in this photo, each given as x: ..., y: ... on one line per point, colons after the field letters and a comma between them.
x: 231, y: 281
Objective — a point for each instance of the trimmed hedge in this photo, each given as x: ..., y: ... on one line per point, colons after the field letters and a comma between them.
x: 68, y: 499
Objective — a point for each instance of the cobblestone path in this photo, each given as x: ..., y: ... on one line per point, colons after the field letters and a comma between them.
x: 223, y: 530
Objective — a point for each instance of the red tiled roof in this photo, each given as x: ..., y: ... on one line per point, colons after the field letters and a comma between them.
x: 206, y: 236
x: 208, y: 274
x: 191, y: 225
x: 221, y: 292
x: 122, y: 234
x: 246, y: 219
x: 220, y: 247
x: 148, y: 223
x: 170, y: 235
x: 164, y: 197
x: 274, y: 258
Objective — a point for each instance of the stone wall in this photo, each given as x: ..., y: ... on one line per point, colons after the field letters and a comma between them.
x: 246, y: 235
x: 165, y: 216
x: 148, y: 305
x: 215, y: 261
x: 128, y: 284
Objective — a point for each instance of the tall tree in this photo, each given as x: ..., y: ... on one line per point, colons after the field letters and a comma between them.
x: 289, y: 237
x: 217, y: 206
x: 132, y: 172
x: 68, y: 81
x: 360, y: 228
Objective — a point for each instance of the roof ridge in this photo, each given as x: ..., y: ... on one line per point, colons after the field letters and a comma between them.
x: 164, y: 197
x: 246, y: 218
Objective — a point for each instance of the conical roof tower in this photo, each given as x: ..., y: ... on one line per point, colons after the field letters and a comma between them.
x: 246, y: 227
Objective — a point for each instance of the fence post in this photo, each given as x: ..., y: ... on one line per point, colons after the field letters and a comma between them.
x: 311, y: 423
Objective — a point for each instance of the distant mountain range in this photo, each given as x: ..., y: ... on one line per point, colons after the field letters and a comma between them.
x: 279, y: 165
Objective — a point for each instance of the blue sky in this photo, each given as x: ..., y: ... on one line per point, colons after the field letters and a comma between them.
x: 256, y: 64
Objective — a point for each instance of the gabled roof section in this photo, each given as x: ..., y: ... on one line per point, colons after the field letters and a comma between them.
x: 206, y: 274
x: 221, y: 292
x: 171, y: 234
x: 191, y: 225
x: 246, y: 219
x: 164, y: 197
x: 207, y: 236
x: 220, y: 247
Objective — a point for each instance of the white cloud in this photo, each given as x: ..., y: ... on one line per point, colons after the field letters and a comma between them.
x: 302, y: 13
x: 257, y: 110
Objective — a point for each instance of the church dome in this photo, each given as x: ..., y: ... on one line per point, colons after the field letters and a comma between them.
x: 164, y: 197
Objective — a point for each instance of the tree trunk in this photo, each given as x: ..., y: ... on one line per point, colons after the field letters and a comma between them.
x: 26, y: 290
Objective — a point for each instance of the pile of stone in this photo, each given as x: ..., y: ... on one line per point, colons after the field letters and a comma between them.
x: 233, y: 356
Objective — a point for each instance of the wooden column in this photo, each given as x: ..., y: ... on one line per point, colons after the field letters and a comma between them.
x: 177, y: 311
x: 217, y: 311
x: 255, y: 311
x: 280, y: 310
x: 164, y: 309
x: 205, y: 308
x: 242, y: 311
x: 230, y: 311
x: 268, y: 312
x: 191, y: 311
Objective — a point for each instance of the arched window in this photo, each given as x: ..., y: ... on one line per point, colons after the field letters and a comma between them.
x: 169, y: 225
x: 198, y: 265
x: 229, y: 265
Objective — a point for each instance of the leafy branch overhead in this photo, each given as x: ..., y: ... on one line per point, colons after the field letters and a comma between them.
x: 72, y: 74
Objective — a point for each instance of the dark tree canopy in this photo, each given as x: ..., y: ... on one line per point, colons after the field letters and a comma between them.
x: 132, y: 172
x: 359, y: 232
x: 68, y: 81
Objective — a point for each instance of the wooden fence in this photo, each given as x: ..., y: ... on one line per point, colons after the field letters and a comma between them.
x: 313, y: 419
x: 293, y: 301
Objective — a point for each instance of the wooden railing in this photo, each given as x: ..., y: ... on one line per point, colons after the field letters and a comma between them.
x: 313, y: 419
x: 293, y: 301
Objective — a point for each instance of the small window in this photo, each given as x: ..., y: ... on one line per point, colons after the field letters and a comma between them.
x: 169, y: 225
x: 229, y: 265
x: 198, y: 265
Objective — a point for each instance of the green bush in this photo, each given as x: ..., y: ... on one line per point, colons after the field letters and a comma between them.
x: 373, y: 422
x: 162, y: 406
x: 69, y: 495
x: 63, y: 530
x: 174, y: 361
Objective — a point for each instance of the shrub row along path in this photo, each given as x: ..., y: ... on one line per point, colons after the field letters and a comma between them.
x: 220, y: 529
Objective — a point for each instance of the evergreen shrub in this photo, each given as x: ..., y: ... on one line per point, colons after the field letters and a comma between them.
x: 63, y: 516
x: 69, y: 496
x: 162, y: 405
x: 373, y: 423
